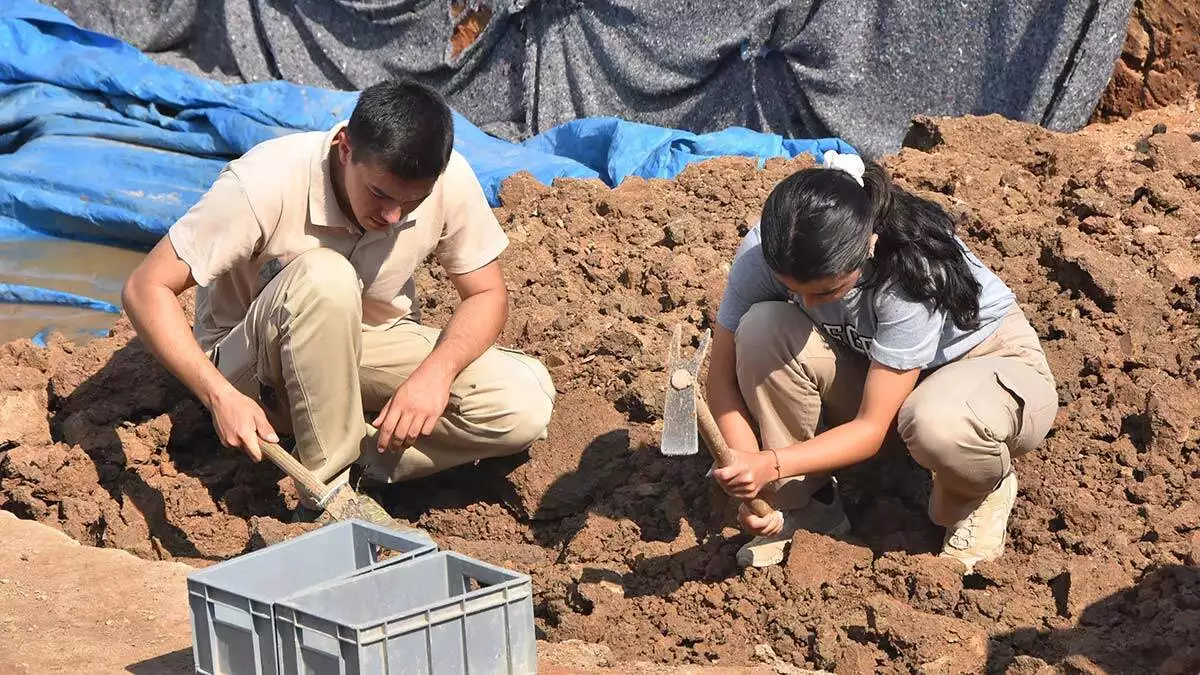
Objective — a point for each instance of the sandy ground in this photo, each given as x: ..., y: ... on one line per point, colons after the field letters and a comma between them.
x: 67, y: 608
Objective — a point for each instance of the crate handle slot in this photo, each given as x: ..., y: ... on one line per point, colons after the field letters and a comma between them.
x: 230, y: 616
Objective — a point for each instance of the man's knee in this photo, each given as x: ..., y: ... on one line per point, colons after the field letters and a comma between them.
x: 532, y: 408
x: 530, y: 423
x: 324, y: 279
x: 521, y: 400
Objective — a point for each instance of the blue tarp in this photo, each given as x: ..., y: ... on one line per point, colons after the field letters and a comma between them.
x: 98, y: 142
x: 35, y: 295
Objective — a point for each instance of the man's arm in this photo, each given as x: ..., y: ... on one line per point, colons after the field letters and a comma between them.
x: 150, y: 297
x: 476, y: 323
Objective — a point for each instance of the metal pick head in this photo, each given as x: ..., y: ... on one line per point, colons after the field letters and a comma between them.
x: 679, y: 435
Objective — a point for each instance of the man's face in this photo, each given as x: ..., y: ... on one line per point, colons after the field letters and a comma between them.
x: 377, y: 197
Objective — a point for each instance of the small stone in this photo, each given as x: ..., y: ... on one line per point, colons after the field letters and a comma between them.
x: 1029, y: 665
x: 3, y: 581
x: 681, y: 379
x: 1090, y: 580
x: 23, y: 418
x: 611, y: 587
x: 1160, y: 128
x: 1150, y: 229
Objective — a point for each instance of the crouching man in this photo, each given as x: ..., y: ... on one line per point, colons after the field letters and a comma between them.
x: 304, y: 251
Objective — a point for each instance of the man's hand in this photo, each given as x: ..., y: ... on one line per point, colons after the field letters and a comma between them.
x: 766, y: 526
x: 413, y: 410
x: 150, y: 296
x: 747, y: 475
x: 241, y: 422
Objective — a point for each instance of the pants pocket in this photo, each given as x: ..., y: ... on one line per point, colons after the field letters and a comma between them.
x: 1037, y: 405
x: 997, y: 410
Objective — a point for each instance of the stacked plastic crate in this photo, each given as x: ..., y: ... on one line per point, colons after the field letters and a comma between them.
x: 356, y: 598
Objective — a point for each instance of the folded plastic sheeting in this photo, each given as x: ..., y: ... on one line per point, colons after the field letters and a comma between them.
x: 98, y: 142
x: 34, y: 295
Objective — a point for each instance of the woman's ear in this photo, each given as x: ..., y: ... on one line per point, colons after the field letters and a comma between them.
x: 871, y: 245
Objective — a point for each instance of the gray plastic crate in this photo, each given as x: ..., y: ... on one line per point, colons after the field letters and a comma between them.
x: 441, y: 614
x: 232, y: 603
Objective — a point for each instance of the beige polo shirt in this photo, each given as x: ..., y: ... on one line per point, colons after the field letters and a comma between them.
x: 277, y: 201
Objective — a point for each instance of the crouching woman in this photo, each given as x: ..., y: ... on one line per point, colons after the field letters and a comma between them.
x: 851, y: 308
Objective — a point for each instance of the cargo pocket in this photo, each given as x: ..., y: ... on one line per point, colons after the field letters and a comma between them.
x: 1037, y: 406
x: 998, y: 411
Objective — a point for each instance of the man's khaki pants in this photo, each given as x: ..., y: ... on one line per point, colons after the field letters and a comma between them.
x: 965, y: 421
x: 301, y: 350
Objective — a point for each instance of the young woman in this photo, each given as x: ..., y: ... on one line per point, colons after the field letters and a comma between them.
x: 852, y: 307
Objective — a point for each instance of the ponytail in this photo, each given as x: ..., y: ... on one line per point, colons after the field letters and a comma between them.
x: 917, y: 249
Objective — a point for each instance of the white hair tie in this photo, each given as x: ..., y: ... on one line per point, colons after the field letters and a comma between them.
x: 851, y: 165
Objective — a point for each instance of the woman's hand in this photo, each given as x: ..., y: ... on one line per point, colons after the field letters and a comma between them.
x: 747, y: 475
x: 765, y: 526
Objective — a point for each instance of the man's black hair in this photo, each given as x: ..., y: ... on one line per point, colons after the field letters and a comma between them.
x: 403, y: 126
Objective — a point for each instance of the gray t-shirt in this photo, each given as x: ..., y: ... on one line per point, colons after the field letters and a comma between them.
x: 877, y: 321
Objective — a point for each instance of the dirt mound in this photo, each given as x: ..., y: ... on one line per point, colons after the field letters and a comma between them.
x: 1159, y: 63
x: 1097, y: 232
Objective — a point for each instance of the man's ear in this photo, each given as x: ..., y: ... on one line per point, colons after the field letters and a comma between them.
x: 344, y: 150
x: 871, y: 245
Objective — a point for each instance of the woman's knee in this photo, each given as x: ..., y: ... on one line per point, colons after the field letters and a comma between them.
x: 944, y: 436
x: 770, y: 334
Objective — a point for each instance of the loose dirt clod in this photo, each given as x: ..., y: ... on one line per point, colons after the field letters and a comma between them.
x: 1094, y: 231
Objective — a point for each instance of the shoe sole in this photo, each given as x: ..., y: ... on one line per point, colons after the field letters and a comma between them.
x: 839, y: 530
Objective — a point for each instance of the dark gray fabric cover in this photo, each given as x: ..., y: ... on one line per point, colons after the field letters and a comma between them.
x: 857, y: 69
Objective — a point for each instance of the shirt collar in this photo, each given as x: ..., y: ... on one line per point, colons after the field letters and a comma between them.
x: 323, y: 206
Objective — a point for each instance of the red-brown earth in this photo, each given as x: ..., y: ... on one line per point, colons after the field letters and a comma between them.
x: 1097, y: 232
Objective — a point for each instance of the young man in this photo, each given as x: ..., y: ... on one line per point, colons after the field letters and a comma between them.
x: 304, y: 250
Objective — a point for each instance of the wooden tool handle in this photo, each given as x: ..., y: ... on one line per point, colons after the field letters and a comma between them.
x: 292, y: 467
x: 721, y: 452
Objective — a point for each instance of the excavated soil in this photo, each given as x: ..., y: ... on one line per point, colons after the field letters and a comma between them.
x: 1159, y: 63
x: 1097, y: 232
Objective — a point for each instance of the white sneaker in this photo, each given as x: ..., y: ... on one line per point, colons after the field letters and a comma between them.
x: 982, y: 534
x: 815, y: 516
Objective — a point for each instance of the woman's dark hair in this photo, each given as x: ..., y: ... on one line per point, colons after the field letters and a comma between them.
x: 405, y: 127
x: 818, y: 222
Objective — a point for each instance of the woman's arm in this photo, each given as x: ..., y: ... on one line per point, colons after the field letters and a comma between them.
x: 842, y: 446
x: 724, y: 395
